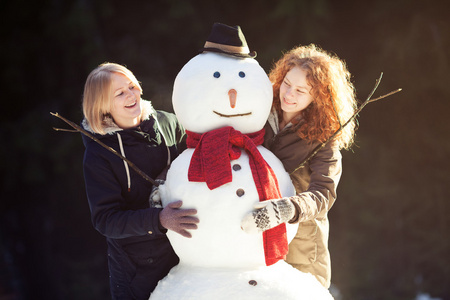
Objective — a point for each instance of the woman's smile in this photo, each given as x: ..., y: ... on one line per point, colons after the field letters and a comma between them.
x: 131, y: 105
x: 288, y: 102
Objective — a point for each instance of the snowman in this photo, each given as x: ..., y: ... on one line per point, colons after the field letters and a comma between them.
x: 223, y: 97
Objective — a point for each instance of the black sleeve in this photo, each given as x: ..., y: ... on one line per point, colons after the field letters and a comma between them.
x: 104, y: 195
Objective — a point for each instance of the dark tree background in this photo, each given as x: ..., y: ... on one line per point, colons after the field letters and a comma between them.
x: 390, y: 226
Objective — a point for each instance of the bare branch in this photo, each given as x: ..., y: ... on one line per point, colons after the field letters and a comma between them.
x: 231, y: 116
x: 65, y: 130
x: 386, y: 95
x: 86, y: 133
x: 367, y: 101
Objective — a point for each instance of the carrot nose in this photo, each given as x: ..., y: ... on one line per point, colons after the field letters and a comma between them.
x: 232, y: 95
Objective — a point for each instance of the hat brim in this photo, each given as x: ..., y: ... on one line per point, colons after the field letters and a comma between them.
x: 240, y: 55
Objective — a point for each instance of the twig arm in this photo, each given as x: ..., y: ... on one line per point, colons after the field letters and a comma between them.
x: 86, y: 133
x: 360, y: 108
x: 385, y: 95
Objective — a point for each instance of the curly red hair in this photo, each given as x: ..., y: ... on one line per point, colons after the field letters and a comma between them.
x: 333, y: 94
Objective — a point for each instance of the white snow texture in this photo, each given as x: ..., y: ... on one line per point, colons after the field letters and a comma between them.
x: 221, y: 261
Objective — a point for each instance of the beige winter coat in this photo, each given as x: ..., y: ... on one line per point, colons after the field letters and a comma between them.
x: 316, y: 185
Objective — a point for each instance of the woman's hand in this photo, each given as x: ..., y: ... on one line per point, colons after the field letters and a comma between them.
x: 178, y: 220
x: 268, y: 214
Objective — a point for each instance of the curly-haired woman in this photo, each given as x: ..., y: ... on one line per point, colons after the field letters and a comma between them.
x: 313, y: 95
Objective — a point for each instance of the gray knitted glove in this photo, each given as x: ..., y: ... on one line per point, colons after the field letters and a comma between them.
x: 268, y: 214
x: 178, y: 220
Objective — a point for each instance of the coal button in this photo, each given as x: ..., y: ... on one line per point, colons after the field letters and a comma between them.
x: 240, y: 192
x: 252, y: 282
x: 236, y: 167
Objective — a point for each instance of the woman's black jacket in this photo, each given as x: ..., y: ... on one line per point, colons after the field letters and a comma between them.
x: 119, y: 197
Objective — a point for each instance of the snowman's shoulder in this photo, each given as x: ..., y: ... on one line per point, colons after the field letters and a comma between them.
x: 183, y: 159
x: 179, y: 167
x: 187, y: 153
x: 266, y: 153
x: 271, y: 159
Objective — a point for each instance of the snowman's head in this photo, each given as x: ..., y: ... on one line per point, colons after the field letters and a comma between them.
x: 217, y: 90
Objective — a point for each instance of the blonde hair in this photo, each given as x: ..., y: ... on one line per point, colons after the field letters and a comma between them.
x: 97, y: 94
x: 333, y: 94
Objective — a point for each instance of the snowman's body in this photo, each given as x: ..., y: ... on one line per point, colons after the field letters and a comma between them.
x: 219, y: 241
x: 221, y: 261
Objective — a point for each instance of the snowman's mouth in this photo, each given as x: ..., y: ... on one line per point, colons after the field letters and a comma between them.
x: 232, y: 116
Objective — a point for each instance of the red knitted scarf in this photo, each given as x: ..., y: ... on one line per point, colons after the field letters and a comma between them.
x: 210, y: 163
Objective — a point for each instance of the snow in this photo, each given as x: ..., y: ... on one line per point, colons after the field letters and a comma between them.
x: 197, y: 93
x: 219, y: 240
x: 279, y: 281
x: 221, y: 261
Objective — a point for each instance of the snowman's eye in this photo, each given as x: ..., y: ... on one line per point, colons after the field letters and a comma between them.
x: 216, y: 74
x: 241, y: 74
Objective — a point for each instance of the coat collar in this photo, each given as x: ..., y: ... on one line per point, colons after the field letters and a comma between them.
x: 274, y: 123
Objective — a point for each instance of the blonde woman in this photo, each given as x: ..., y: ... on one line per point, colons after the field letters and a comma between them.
x: 139, y: 253
x: 312, y: 96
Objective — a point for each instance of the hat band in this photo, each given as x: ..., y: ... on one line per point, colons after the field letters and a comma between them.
x: 228, y: 48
